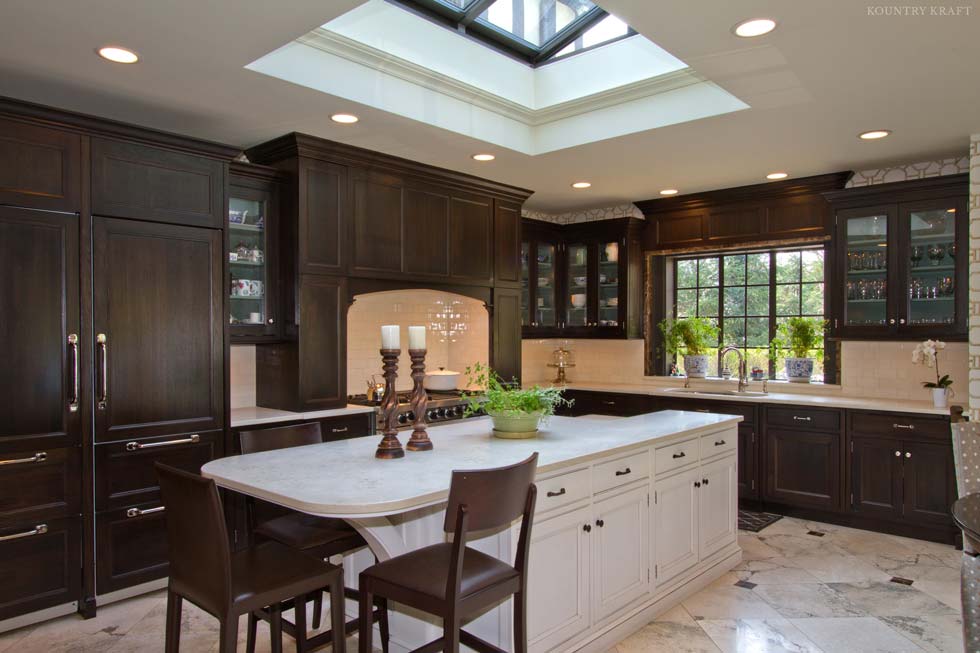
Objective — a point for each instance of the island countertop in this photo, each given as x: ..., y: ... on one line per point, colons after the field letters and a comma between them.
x: 344, y: 479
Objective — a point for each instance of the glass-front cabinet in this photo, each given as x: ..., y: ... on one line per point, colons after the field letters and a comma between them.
x: 902, y: 263
x: 539, y: 281
x: 577, y: 296
x: 252, y: 259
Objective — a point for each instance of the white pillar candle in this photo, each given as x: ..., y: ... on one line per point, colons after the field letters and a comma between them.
x: 390, y: 337
x: 416, y: 337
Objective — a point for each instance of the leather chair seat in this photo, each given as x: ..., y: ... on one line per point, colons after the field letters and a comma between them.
x: 426, y: 571
x: 304, y: 532
x: 262, y: 575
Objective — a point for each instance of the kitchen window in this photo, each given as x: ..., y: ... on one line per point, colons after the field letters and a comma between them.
x: 747, y: 294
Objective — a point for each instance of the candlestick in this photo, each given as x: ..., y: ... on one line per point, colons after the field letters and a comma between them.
x: 390, y: 447
x: 390, y: 337
x: 420, y: 439
x: 416, y: 338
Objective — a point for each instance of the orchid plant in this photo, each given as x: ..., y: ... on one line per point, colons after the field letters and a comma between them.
x: 927, y: 353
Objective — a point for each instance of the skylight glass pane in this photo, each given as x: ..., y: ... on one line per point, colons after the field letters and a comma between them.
x: 607, y: 29
x: 534, y: 21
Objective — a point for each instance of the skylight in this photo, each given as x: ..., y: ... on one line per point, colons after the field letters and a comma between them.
x: 535, y: 31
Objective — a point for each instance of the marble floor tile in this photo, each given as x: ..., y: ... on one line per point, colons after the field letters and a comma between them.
x: 728, y: 602
x: 946, y: 591
x: 674, y: 636
x: 855, y: 635
x: 859, y: 542
x: 839, y: 568
x: 757, y: 636
x: 935, y: 633
x: 890, y: 599
x: 914, y: 566
x: 790, y: 545
x: 755, y: 549
x: 810, y: 600
x: 772, y: 571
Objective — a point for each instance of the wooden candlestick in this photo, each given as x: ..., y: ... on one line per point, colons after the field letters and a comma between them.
x: 390, y: 447
x: 420, y: 439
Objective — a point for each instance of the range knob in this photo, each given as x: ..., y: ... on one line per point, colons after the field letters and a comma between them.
x: 440, y: 412
x: 452, y: 412
x: 403, y: 418
x: 432, y: 414
x: 411, y: 415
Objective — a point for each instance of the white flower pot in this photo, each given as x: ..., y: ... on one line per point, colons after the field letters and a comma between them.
x: 940, y: 397
x: 696, y: 366
x: 799, y: 370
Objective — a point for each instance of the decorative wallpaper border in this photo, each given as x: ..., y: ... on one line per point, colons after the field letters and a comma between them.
x: 627, y: 210
x: 909, y: 171
x: 974, y: 408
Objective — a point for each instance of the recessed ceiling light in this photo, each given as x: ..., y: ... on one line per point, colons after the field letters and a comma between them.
x: 754, y: 27
x: 669, y: 191
x: 777, y: 175
x: 344, y: 118
x: 874, y: 134
x: 582, y: 184
x: 483, y: 157
x: 118, y: 55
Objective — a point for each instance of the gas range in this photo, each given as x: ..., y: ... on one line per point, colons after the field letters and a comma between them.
x: 442, y: 406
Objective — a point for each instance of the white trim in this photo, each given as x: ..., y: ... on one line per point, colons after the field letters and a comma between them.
x: 38, y: 616
x: 130, y: 592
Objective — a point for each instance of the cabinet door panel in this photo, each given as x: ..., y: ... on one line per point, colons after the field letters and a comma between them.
x: 558, y: 580
x: 470, y: 238
x: 876, y: 477
x: 323, y: 342
x: 46, y: 488
x: 131, y: 548
x: 718, y: 506
x: 621, y: 551
x: 426, y: 223
x: 675, y: 525
x: 507, y: 332
x: 39, y: 168
x: 748, y: 487
x: 157, y: 301
x: 378, y: 206
x: 323, y: 217
x: 38, y: 314
x: 507, y: 242
x: 138, y: 181
x: 39, y: 569
x: 930, y: 485
x: 803, y: 468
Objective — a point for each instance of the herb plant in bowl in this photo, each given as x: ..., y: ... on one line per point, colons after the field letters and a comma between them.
x: 692, y: 337
x: 802, y: 336
x: 516, y: 412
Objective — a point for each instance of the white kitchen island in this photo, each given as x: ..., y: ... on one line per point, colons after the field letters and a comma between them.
x: 633, y: 514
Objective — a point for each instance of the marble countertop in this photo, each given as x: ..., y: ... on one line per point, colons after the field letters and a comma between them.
x: 249, y: 415
x: 810, y: 398
x: 344, y: 479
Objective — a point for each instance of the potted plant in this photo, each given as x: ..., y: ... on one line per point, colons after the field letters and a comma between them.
x: 691, y: 337
x: 927, y: 353
x: 516, y: 412
x: 801, y: 336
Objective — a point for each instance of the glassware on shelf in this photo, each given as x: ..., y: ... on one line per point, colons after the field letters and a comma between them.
x: 936, y: 253
x: 915, y: 254
x: 952, y: 250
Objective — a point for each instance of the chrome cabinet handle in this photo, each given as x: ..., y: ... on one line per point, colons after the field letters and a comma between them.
x: 73, y: 346
x: 39, y: 457
x: 343, y: 430
x: 102, y: 342
x: 801, y: 419
x: 136, y: 512
x: 557, y: 494
x: 136, y: 446
x: 907, y: 427
x: 40, y: 529
x: 624, y: 472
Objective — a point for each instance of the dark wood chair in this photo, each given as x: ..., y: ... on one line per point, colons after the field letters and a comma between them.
x: 454, y: 581
x: 203, y: 569
x: 321, y: 537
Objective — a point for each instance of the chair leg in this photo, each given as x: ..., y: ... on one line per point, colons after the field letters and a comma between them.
x: 300, y: 623
x: 383, y: 623
x: 317, y: 609
x: 275, y: 627
x: 253, y: 627
x: 175, y: 604
x: 228, y: 641
x: 520, y: 623
x: 365, y: 621
x: 338, y: 619
x: 450, y: 634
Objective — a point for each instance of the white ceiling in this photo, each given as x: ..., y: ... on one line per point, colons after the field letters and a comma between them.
x: 828, y: 72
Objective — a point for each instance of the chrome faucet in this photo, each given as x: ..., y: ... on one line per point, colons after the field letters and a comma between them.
x: 743, y: 381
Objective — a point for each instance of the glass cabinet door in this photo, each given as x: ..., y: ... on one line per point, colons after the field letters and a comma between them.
x: 866, y: 267
x: 609, y: 286
x: 247, y: 258
x: 577, y: 283
x: 545, y: 312
x: 525, y: 284
x: 931, y: 265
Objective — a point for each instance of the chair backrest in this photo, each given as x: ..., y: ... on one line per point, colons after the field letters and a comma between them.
x: 200, y: 559
x: 281, y: 437
x: 966, y: 457
x: 493, y: 497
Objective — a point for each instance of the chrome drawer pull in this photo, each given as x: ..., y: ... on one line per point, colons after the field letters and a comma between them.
x: 907, y: 427
x: 801, y: 419
x: 624, y: 472
x: 40, y: 529
x: 557, y: 494
x: 343, y: 430
x: 136, y: 512
x: 39, y: 457
x: 679, y: 455
x: 136, y: 446
x: 720, y: 443
x: 609, y: 403
x: 73, y: 345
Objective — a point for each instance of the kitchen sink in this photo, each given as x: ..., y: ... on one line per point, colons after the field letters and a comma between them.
x: 721, y: 393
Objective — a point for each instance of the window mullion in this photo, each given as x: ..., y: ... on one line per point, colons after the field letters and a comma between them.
x: 772, y: 308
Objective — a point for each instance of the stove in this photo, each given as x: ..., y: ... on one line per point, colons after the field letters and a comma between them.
x: 443, y: 406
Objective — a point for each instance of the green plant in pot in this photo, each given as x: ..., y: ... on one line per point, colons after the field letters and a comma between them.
x: 516, y: 412
x: 801, y: 337
x: 691, y: 337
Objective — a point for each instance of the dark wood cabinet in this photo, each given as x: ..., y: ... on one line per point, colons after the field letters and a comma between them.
x: 507, y: 243
x: 131, y: 546
x: 506, y: 347
x: 748, y: 467
x: 803, y: 468
x: 378, y: 206
x: 40, y: 563
x: 40, y: 485
x: 929, y: 487
x: 40, y: 168
x: 895, y: 256
x: 316, y: 222
x: 159, y: 347
x: 428, y: 213
x: 471, y: 239
x: 876, y: 477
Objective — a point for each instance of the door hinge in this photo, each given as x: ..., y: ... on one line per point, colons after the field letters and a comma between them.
x: 648, y: 574
x: 656, y: 571
x: 852, y: 498
x: 648, y: 499
x: 852, y: 446
x: 654, y: 497
x: 753, y: 437
x: 753, y: 483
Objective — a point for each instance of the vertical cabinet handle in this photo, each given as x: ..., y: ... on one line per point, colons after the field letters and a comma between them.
x: 102, y: 344
x: 73, y: 347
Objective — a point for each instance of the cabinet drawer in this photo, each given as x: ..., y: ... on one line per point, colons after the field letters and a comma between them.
x: 621, y: 471
x: 131, y: 546
x: 747, y: 411
x: 562, y: 490
x: 40, y: 485
x: 810, y: 419
x: 125, y: 473
x: 716, y: 444
x: 347, y: 426
x: 40, y: 564
x: 677, y: 455
x: 903, y: 425
x: 40, y: 168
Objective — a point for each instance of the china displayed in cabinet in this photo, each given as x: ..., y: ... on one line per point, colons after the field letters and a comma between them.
x: 897, y: 260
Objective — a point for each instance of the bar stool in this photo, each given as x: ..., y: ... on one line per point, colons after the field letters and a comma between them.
x: 321, y: 537
x: 454, y: 581
x: 966, y: 462
x: 227, y: 585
